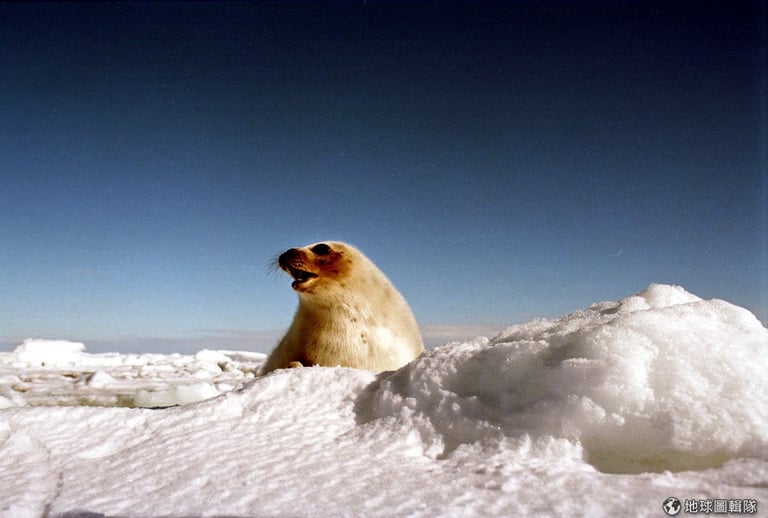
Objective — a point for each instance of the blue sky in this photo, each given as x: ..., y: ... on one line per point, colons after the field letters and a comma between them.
x: 499, y: 161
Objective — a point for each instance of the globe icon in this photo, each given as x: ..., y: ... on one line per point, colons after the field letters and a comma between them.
x: 671, y: 506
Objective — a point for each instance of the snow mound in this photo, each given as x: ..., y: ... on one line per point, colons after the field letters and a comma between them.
x: 658, y: 381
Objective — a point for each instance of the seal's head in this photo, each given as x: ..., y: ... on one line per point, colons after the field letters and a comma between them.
x: 318, y: 265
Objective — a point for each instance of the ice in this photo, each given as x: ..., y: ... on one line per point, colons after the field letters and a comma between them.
x: 49, y: 352
x: 179, y: 395
x: 98, y: 379
x: 61, y: 373
x: 606, y: 411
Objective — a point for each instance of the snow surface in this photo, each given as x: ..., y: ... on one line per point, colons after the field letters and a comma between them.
x: 606, y: 411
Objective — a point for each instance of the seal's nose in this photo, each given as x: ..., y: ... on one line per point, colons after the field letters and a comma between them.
x: 289, y: 257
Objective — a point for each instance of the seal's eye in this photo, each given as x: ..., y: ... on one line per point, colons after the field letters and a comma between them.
x: 321, y: 249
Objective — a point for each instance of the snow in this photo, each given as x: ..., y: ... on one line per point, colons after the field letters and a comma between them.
x: 606, y: 411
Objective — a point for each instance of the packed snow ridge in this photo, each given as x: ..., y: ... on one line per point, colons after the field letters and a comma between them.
x: 606, y: 410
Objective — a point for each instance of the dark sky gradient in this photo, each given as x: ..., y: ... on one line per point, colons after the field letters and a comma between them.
x: 499, y: 161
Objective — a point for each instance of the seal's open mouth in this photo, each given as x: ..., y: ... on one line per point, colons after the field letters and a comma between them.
x: 291, y: 262
x: 300, y: 276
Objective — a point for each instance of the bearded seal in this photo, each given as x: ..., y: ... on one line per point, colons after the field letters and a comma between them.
x: 349, y: 313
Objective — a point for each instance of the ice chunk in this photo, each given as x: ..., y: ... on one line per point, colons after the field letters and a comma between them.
x: 179, y: 395
x: 49, y: 352
x: 98, y: 379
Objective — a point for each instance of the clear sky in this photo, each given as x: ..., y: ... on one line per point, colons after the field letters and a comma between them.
x: 499, y: 161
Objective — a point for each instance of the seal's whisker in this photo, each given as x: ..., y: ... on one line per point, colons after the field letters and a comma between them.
x: 273, y: 265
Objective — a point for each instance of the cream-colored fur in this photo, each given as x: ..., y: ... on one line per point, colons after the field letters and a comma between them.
x: 349, y: 313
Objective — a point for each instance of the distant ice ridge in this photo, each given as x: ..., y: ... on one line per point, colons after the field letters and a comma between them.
x: 42, y: 372
x: 606, y: 411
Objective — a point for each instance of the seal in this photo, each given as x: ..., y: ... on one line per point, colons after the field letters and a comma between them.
x: 349, y: 313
